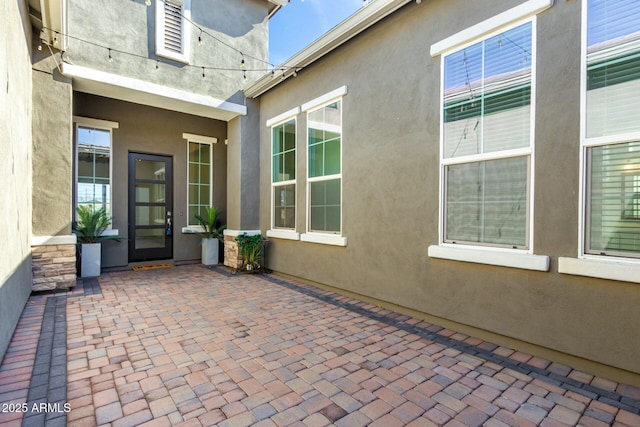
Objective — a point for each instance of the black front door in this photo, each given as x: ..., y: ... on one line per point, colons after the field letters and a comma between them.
x: 150, y: 207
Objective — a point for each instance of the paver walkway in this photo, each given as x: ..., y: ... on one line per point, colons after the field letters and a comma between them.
x: 195, y: 346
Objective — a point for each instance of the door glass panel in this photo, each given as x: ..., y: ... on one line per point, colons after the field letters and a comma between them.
x: 146, y: 169
x: 150, y: 215
x: 150, y: 238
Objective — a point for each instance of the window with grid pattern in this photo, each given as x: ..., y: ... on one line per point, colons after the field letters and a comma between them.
x: 199, y: 176
x: 284, y: 175
x: 324, y: 168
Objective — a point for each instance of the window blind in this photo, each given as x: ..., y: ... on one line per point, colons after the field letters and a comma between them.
x: 487, y: 94
x: 613, y: 67
x: 614, y: 189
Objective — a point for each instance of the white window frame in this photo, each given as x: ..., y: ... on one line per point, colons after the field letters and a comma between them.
x: 609, y: 267
x: 185, y: 55
x: 283, y: 233
x: 205, y: 140
x: 484, y: 254
x: 105, y: 125
x: 335, y: 239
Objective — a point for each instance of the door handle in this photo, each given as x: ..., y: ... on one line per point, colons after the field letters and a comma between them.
x: 168, y: 223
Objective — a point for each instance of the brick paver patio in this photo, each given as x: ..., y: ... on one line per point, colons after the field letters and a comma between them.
x: 197, y: 347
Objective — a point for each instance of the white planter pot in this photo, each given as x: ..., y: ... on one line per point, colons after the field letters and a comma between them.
x: 90, y: 260
x: 210, y: 251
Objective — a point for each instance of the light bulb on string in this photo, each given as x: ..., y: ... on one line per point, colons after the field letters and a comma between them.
x: 110, y: 58
x: 40, y: 44
x: 147, y: 2
x: 200, y: 38
x: 242, y: 64
x: 244, y: 75
x: 203, y: 75
x: 157, y: 65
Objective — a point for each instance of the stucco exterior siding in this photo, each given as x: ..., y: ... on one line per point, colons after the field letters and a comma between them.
x: 149, y: 130
x: 130, y: 26
x: 391, y: 186
x: 15, y: 166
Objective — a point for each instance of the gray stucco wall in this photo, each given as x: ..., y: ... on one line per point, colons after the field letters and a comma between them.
x: 129, y: 26
x: 15, y: 167
x: 391, y: 121
x: 151, y: 130
x: 52, y: 149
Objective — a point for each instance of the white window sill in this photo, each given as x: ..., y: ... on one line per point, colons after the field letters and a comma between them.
x: 491, y: 256
x: 626, y: 271
x: 283, y: 234
x: 193, y: 229
x: 324, y: 239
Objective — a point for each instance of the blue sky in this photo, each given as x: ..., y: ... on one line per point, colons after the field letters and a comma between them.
x: 300, y: 22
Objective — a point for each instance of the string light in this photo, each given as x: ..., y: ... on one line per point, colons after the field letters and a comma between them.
x: 244, y: 75
x: 242, y: 68
x: 40, y: 44
x: 200, y: 38
x: 147, y: 2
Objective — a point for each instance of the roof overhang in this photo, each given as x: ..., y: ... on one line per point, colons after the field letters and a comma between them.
x: 49, y: 17
x: 338, y: 35
x: 275, y: 6
x: 138, y: 91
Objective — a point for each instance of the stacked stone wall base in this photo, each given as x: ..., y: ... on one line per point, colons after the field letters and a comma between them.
x: 54, y: 267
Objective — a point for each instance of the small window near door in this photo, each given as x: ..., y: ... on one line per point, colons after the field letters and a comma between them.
x: 199, y: 175
x: 93, y: 163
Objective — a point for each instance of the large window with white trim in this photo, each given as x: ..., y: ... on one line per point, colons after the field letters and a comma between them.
x: 93, y: 165
x: 611, y: 128
x: 487, y: 140
x: 283, y: 178
x: 199, y: 176
x: 325, y: 168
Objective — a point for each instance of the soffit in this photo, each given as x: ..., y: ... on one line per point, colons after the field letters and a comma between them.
x: 128, y: 89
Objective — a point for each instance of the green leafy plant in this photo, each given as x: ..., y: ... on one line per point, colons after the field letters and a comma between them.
x: 210, y: 222
x: 250, y: 247
x: 91, y: 224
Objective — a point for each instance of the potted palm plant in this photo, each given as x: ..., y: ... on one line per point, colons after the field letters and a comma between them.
x: 90, y: 228
x: 212, y: 235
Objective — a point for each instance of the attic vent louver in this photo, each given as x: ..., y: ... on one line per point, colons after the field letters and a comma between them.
x: 173, y: 31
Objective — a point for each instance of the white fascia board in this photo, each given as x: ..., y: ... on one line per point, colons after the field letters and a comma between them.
x: 522, y: 11
x: 284, y: 116
x: 625, y: 271
x: 490, y: 256
x: 142, y: 92
x: 279, y: 2
x: 364, y: 18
